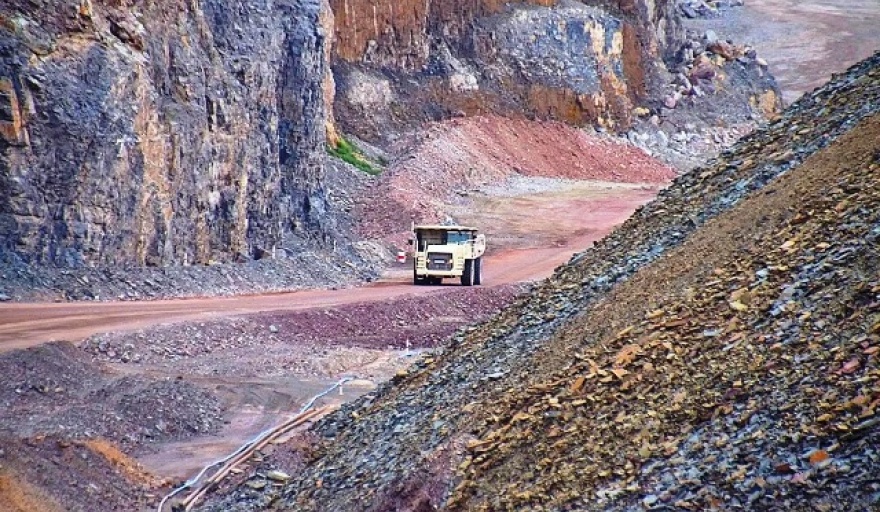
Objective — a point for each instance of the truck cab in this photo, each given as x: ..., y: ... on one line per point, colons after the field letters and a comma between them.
x: 447, y: 252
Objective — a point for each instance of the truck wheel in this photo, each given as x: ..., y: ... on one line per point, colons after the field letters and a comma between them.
x: 467, y: 277
x: 478, y: 271
x: 418, y: 281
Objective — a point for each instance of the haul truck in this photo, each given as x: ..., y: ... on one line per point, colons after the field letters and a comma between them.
x: 447, y: 251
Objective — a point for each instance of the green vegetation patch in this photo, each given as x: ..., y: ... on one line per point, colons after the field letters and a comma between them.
x: 349, y: 153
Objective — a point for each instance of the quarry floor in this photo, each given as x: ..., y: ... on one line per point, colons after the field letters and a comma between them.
x: 263, y: 356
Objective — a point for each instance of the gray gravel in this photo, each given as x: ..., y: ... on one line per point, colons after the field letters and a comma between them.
x: 374, y: 455
x: 55, y: 389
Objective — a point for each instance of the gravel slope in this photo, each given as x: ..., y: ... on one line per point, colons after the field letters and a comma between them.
x: 485, y: 425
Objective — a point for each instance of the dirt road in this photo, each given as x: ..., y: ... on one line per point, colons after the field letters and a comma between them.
x: 533, y: 232
x: 23, y: 325
x: 805, y: 41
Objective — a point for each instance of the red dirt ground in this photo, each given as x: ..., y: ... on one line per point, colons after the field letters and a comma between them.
x: 458, y: 155
x: 25, y: 324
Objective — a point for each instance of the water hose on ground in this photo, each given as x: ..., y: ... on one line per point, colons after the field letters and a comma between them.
x: 245, y: 450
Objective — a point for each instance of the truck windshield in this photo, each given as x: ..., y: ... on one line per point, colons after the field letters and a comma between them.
x: 426, y: 238
x: 457, y: 237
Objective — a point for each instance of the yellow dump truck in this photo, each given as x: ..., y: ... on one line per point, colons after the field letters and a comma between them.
x: 447, y: 252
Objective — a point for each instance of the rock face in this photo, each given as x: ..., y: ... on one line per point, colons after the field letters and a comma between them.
x: 166, y: 133
x: 157, y: 133
x: 579, y: 62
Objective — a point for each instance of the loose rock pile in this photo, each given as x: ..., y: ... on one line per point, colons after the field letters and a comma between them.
x: 705, y: 9
x: 688, y: 146
x: 295, y: 343
x: 84, y: 476
x: 702, y: 62
x: 719, y: 350
x: 717, y: 91
x: 290, y: 271
x: 55, y: 390
x: 748, y: 378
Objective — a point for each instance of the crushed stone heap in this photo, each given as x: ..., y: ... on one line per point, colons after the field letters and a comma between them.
x: 718, y: 350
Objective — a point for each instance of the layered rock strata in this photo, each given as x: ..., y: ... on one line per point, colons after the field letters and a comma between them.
x: 579, y: 62
x: 159, y: 133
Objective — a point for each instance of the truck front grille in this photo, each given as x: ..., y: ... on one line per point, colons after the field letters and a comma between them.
x: 439, y: 261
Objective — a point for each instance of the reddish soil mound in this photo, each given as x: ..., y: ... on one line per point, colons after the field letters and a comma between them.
x: 50, y: 474
x: 18, y: 496
x: 460, y: 154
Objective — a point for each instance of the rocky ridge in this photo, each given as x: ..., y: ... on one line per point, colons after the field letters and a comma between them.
x: 147, y: 137
x: 703, y: 391
x: 589, y: 62
x: 158, y: 134
x: 434, y: 437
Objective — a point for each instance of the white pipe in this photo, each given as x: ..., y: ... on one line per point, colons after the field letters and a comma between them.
x: 194, y: 480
